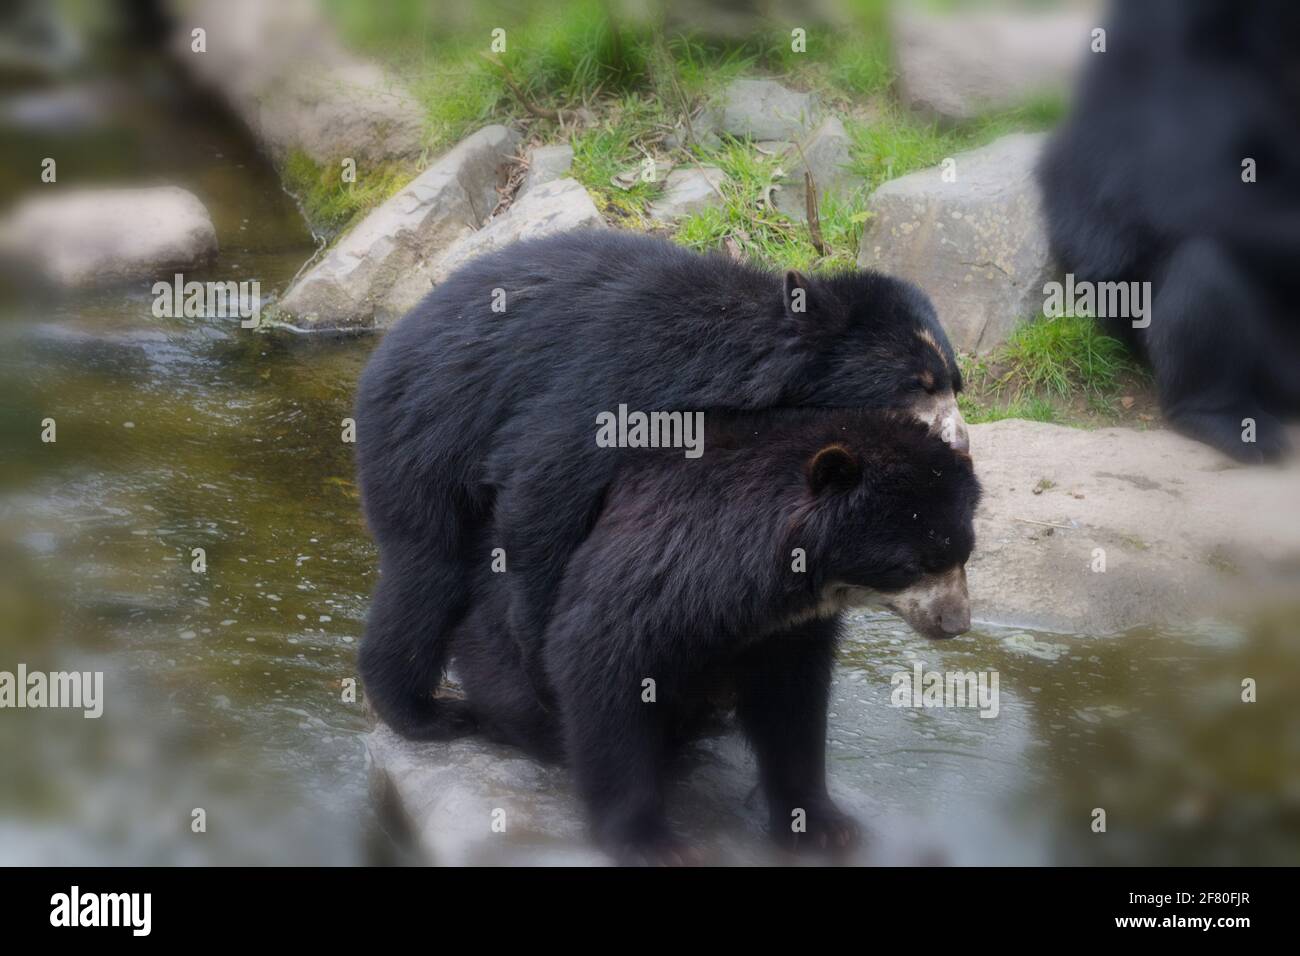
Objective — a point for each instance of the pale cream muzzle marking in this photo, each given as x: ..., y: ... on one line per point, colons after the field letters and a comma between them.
x: 937, y: 606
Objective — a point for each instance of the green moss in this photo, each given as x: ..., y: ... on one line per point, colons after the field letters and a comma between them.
x: 329, y: 203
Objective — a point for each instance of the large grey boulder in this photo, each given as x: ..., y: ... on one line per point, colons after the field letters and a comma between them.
x: 370, y: 274
x: 104, y: 236
x: 688, y: 190
x: 978, y: 244
x: 1181, y: 528
x: 957, y: 65
x: 283, y: 71
x: 761, y: 109
x: 826, y: 155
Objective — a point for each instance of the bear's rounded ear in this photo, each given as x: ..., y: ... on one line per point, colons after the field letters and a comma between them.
x: 833, y: 467
x: 797, y: 294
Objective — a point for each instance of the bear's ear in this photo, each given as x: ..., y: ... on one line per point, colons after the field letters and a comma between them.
x: 833, y: 467
x: 798, y: 295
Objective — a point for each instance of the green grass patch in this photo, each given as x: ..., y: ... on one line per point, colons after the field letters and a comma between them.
x: 622, y: 140
x: 977, y: 412
x: 1064, y: 369
x: 746, y: 219
x: 1063, y: 356
x: 897, y: 143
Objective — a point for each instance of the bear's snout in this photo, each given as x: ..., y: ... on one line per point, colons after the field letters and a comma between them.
x: 937, y: 606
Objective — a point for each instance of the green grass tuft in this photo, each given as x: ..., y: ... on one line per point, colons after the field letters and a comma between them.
x: 1063, y: 356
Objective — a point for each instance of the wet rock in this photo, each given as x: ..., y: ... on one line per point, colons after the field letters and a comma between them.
x: 978, y: 245
x: 1182, y: 529
x: 545, y: 165
x: 447, y: 795
x: 826, y: 155
x: 761, y: 109
x: 688, y: 190
x: 105, y: 236
x: 370, y: 272
x: 282, y: 69
x: 956, y: 65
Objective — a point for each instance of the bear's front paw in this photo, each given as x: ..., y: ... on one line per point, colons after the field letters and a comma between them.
x: 815, y: 825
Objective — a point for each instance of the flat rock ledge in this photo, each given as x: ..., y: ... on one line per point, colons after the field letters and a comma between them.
x: 1182, y: 529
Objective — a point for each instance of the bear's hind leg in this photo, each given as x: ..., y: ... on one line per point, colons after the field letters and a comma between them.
x: 417, y: 603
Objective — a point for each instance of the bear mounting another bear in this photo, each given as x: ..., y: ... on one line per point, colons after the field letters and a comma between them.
x: 475, y: 415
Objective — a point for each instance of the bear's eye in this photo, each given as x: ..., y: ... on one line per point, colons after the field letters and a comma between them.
x: 924, y: 383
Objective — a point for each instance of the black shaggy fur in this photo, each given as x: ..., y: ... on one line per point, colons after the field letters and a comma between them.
x: 1144, y: 183
x: 476, y: 428
x: 688, y: 579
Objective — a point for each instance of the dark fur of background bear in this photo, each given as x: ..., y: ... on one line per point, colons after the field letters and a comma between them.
x: 689, y: 579
x: 1144, y: 183
x: 477, y: 427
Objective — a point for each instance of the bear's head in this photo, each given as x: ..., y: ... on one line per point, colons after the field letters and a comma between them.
x: 877, y: 343
x: 891, y: 507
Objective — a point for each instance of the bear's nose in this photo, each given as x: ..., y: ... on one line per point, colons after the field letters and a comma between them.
x: 954, y: 620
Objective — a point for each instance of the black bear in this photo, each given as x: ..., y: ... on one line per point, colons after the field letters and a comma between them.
x: 1180, y: 165
x: 730, y: 570
x: 476, y: 413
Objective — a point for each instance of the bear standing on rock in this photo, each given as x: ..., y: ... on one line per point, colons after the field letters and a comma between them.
x: 727, y: 573
x: 476, y: 415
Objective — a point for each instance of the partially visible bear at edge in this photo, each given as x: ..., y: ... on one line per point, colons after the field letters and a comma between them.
x: 1147, y: 182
